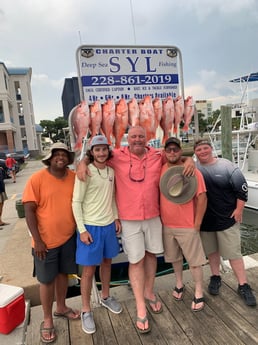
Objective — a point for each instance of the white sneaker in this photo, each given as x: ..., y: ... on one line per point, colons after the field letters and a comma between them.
x: 111, y: 304
x: 88, y: 324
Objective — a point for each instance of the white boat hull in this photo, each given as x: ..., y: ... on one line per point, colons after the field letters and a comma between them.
x: 252, y: 201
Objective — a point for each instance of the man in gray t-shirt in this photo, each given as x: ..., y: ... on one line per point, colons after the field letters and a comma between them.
x: 220, y: 230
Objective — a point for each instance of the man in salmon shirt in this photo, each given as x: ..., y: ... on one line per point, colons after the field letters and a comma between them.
x: 137, y: 168
x: 47, y: 202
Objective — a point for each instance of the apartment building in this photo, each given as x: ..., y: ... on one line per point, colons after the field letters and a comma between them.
x: 17, y: 123
x: 204, y: 107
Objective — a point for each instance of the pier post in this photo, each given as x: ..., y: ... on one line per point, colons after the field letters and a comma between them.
x: 226, y: 132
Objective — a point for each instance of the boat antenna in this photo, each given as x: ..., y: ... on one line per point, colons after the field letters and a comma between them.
x: 80, y: 38
x: 132, y: 17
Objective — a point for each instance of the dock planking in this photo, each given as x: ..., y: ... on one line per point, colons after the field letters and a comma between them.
x: 224, y: 320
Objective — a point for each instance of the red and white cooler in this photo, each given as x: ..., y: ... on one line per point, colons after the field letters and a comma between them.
x: 12, y: 307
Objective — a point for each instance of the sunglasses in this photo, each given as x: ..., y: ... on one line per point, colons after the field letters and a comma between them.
x: 172, y: 149
x: 130, y: 172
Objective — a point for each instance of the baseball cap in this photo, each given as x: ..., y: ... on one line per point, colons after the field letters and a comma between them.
x: 98, y: 140
x: 200, y: 142
x: 173, y: 140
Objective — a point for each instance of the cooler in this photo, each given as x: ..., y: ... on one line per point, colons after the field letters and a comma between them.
x: 12, y: 307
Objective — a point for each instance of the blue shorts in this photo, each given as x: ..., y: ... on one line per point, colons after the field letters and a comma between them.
x: 105, y: 245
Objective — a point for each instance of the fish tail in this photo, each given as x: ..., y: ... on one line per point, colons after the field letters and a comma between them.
x: 77, y: 146
x: 185, y: 128
x: 165, y: 138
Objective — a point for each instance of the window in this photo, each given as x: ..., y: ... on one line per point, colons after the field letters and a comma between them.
x: 1, y: 112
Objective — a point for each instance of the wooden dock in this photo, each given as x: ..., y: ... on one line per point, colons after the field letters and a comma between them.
x: 224, y: 320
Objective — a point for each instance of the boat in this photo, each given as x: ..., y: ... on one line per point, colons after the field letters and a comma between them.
x: 244, y: 139
x: 119, y: 274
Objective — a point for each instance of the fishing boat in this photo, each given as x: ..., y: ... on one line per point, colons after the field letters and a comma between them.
x: 244, y: 138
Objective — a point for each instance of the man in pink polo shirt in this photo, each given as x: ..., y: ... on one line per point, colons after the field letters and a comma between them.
x: 137, y: 168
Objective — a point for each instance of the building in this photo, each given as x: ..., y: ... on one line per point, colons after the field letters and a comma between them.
x: 70, y: 95
x: 204, y: 107
x: 17, y: 123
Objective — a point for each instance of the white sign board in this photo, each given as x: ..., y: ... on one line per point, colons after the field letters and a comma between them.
x: 129, y: 72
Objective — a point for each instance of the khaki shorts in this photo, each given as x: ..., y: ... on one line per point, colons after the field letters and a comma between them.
x: 182, y: 242
x: 226, y: 242
x: 139, y: 236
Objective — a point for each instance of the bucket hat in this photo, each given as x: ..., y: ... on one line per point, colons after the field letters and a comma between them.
x: 98, y: 140
x: 176, y: 187
x: 58, y: 146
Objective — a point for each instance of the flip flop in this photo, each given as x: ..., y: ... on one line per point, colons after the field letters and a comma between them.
x: 154, y: 303
x: 49, y: 330
x: 178, y: 291
x: 196, y: 301
x: 142, y: 321
x: 68, y: 314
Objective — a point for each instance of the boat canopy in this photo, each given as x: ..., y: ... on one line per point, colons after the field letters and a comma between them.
x: 246, y: 78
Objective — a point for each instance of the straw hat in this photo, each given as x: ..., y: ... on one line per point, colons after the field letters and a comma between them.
x: 58, y: 146
x: 176, y: 187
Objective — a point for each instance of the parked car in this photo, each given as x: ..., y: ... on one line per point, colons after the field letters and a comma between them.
x: 19, y: 157
x: 4, y: 168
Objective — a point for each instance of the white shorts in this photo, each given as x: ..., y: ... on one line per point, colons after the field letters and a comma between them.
x: 139, y: 236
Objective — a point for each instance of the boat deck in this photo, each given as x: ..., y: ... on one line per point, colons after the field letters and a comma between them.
x: 224, y: 320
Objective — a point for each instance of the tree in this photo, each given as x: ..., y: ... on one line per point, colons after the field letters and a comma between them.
x: 202, y: 123
x: 54, y: 129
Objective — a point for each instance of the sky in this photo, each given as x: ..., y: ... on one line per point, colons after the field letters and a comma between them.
x: 217, y: 39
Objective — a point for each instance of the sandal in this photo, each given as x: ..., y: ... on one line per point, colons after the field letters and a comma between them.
x: 197, y: 301
x: 153, y: 303
x: 142, y: 321
x: 49, y: 330
x: 70, y: 314
x: 179, y: 291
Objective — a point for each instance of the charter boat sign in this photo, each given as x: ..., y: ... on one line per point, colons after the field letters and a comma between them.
x: 129, y: 72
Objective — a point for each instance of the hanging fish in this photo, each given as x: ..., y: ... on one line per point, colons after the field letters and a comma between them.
x: 134, y: 113
x: 108, y: 119
x: 147, y: 117
x: 158, y: 109
x: 167, y: 119
x: 121, y: 121
x: 80, y: 121
x: 179, y: 111
x: 96, y: 118
x: 188, y: 112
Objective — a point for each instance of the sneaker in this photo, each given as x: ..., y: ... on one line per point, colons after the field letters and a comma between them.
x: 111, y: 304
x: 215, y: 284
x: 88, y: 324
x: 245, y: 292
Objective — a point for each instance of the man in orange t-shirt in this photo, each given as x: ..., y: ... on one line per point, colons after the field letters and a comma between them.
x: 182, y: 206
x: 47, y: 201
